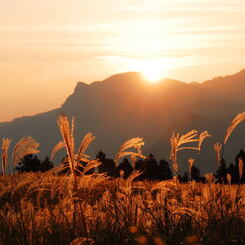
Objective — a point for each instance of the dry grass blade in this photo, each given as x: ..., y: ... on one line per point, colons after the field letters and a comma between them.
x: 82, y: 241
x: 26, y: 146
x: 5, y: 146
x: 237, y: 120
x: 132, y: 176
x: 186, y: 211
x: 217, y: 149
x: 132, y: 154
x: 168, y: 185
x: 58, y: 147
x: 188, y: 137
x: 87, y: 140
x: 136, y: 143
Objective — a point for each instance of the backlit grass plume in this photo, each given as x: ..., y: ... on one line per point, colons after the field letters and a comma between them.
x: 240, y: 167
x: 56, y: 148
x: 67, y: 133
x: 237, y: 120
x: 177, y: 144
x: 190, y: 163
x: 203, y: 135
x: 25, y: 146
x: 5, y: 146
x: 136, y: 143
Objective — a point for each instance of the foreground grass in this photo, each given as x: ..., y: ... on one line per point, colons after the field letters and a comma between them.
x: 45, y: 209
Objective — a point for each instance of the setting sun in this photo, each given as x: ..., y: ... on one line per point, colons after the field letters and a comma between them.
x: 153, y: 71
x: 153, y: 75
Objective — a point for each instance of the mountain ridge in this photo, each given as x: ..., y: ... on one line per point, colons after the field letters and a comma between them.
x: 124, y: 106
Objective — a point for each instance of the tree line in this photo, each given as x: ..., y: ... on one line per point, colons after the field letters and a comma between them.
x: 150, y: 168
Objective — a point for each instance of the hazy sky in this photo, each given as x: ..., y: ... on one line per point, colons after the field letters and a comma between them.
x: 46, y: 46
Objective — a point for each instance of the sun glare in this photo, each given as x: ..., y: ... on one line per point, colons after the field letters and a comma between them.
x: 153, y: 72
x: 152, y: 75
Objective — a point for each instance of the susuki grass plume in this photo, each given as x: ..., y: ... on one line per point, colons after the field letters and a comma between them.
x: 5, y: 146
x: 190, y: 163
x: 237, y: 120
x: 210, y: 178
x: 177, y: 143
x: 203, y: 135
x: 136, y: 143
x: 25, y: 146
x: 217, y: 150
x: 67, y: 133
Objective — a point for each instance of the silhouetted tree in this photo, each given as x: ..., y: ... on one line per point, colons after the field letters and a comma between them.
x: 233, y: 171
x: 240, y: 155
x: 107, y: 166
x: 164, y: 170
x: 46, y: 165
x: 195, y: 173
x: 222, y: 172
x: 31, y: 163
x: 149, y: 168
x: 185, y: 178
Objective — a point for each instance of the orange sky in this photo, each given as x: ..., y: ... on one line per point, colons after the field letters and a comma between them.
x: 46, y: 46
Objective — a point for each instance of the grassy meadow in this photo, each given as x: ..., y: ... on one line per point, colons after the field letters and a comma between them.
x: 44, y: 209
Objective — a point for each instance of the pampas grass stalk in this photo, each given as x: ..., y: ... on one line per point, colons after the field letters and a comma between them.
x: 67, y: 133
x: 203, y: 135
x: 240, y: 167
x: 190, y: 163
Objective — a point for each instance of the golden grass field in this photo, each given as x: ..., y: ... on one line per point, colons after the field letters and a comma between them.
x: 44, y: 209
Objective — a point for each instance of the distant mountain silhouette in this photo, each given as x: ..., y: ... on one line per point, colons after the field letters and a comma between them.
x: 125, y: 106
